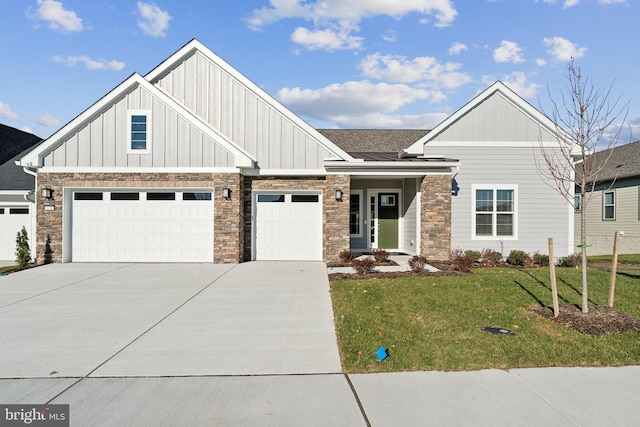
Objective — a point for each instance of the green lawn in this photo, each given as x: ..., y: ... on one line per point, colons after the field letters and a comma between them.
x: 622, y: 259
x: 435, y: 323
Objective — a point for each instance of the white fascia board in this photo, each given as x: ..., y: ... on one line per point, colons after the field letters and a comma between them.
x: 417, y: 147
x: 194, y: 45
x: 391, y: 168
x: 183, y: 170
x: 15, y: 192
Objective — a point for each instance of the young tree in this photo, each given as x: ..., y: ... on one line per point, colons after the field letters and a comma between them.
x: 587, y: 120
x: 23, y: 252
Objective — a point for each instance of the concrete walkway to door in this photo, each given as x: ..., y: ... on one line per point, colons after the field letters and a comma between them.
x: 77, y: 320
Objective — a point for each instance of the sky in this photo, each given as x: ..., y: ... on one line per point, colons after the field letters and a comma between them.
x: 336, y: 63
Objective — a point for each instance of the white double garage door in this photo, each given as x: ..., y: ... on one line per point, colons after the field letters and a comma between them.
x: 178, y: 226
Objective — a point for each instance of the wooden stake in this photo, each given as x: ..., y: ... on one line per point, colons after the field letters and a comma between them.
x: 554, y: 286
x: 614, y: 268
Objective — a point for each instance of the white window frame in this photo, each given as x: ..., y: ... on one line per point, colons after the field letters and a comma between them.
x: 494, y: 216
x: 604, y: 205
x: 130, y: 114
x: 360, y: 193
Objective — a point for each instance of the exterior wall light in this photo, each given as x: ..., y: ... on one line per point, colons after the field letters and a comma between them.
x: 46, y: 193
x: 339, y: 195
x: 226, y: 193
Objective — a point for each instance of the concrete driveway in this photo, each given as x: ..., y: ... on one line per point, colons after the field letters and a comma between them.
x: 115, y: 320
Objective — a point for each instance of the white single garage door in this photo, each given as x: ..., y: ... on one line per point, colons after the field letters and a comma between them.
x: 142, y: 226
x: 12, y: 219
x: 288, y: 226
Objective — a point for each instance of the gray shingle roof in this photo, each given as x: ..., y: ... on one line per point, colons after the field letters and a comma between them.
x: 14, y: 144
x: 623, y: 163
x: 373, y: 140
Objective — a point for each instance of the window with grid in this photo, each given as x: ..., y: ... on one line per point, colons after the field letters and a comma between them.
x: 495, y: 214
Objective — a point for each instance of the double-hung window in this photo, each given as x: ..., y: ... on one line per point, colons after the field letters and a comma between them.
x: 609, y: 205
x: 139, y: 131
x: 495, y: 212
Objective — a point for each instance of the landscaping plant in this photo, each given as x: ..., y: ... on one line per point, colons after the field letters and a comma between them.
x: 23, y: 252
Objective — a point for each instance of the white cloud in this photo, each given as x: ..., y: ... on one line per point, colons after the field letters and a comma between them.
x: 354, y: 98
x: 325, y: 39
x: 569, y: 3
x: 352, y: 11
x: 341, y: 17
x: 390, y: 36
x: 508, y: 52
x: 57, y: 17
x: 5, y: 112
x: 155, y: 21
x: 518, y: 82
x: 562, y: 49
x: 457, y: 48
x: 90, y: 64
x: 47, y: 120
x: 26, y: 129
x: 425, y: 70
x: 541, y: 62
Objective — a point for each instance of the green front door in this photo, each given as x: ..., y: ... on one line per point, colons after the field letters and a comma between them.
x: 388, y: 220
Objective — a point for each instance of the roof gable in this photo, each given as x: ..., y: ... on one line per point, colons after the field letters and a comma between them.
x: 495, y: 116
x: 236, y: 107
x: 36, y: 157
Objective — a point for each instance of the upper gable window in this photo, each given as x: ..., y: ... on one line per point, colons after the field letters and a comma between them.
x: 139, y: 131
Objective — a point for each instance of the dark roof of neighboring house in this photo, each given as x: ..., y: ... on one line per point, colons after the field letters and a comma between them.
x: 14, y: 143
x: 623, y: 162
x: 373, y: 140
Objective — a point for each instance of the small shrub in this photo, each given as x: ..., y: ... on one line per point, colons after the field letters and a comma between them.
x: 417, y: 263
x: 573, y: 261
x: 461, y: 261
x: 541, y: 259
x: 380, y: 255
x: 475, y: 255
x: 363, y: 266
x: 23, y: 252
x: 346, y: 256
x: 491, y: 258
x: 521, y: 258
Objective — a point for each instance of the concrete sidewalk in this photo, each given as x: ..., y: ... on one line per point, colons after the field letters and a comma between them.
x: 521, y: 397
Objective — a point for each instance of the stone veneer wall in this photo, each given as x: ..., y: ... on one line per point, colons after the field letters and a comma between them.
x: 228, y: 225
x: 335, y: 214
x: 228, y: 238
x: 435, y: 211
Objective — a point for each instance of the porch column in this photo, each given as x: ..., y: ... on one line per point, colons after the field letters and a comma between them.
x: 336, y: 217
x: 435, y: 214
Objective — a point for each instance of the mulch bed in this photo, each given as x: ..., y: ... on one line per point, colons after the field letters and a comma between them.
x: 599, y: 320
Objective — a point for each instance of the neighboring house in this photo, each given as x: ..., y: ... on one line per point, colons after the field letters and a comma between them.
x: 17, y: 204
x: 195, y: 163
x: 614, y: 205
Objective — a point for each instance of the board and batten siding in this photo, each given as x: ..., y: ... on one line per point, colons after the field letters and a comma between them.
x: 496, y: 119
x: 541, y: 211
x: 600, y: 232
x: 242, y: 115
x: 410, y: 215
x: 103, y: 141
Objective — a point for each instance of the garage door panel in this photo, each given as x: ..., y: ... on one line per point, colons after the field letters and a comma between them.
x: 288, y: 230
x: 142, y: 230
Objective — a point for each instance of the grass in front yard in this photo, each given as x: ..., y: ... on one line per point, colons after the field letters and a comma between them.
x: 622, y: 258
x: 435, y: 323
